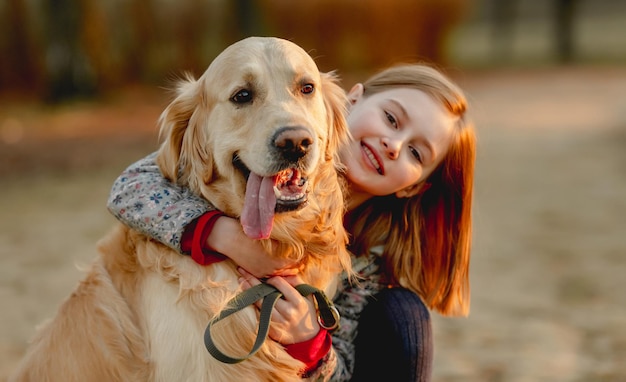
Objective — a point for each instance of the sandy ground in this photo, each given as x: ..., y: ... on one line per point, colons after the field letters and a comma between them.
x: 548, y: 301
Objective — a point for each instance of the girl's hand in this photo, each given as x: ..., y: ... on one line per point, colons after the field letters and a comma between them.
x: 228, y: 238
x: 294, y: 317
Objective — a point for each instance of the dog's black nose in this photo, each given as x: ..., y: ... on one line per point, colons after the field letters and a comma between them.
x: 293, y: 142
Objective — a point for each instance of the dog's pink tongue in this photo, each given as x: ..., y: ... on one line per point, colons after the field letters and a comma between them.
x: 257, y: 217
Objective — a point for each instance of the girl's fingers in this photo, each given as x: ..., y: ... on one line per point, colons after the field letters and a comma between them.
x: 247, y: 281
x: 245, y: 285
x: 294, y: 317
x: 293, y: 304
x: 291, y: 299
x: 289, y: 292
x: 248, y: 277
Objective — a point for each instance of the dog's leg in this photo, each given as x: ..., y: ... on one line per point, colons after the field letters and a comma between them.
x: 93, y: 337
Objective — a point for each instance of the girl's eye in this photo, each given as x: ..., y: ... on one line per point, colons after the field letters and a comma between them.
x: 415, y: 153
x: 242, y: 96
x: 391, y: 120
x: 307, y: 89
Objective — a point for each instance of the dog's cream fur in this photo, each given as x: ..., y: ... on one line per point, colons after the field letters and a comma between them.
x: 141, y: 310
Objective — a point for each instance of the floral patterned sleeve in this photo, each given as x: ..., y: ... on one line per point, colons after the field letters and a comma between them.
x: 144, y: 200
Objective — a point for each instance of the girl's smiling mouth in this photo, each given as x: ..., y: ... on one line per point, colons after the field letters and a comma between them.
x: 373, y: 158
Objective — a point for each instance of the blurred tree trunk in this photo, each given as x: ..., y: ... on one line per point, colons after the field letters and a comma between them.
x: 77, y: 55
x: 142, y: 16
x: 68, y: 69
x: 192, y: 25
x: 503, y: 16
x: 95, y: 42
x: 20, y: 67
x: 564, y: 29
x: 247, y: 18
x: 243, y: 20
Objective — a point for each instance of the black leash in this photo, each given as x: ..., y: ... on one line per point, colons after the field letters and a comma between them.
x: 328, y: 316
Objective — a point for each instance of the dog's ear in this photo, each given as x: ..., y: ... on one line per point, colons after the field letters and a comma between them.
x: 336, y: 103
x: 173, y: 124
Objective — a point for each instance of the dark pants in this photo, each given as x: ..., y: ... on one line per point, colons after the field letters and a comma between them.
x: 394, y: 340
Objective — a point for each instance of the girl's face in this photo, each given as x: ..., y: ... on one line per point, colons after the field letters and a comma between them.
x: 399, y: 137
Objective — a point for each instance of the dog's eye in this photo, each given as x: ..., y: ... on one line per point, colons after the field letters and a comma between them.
x: 307, y: 89
x: 242, y: 96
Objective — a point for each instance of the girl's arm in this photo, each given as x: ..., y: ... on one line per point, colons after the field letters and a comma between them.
x: 144, y: 200
x: 147, y: 202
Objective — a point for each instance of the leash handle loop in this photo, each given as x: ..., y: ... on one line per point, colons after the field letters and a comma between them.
x: 328, y: 316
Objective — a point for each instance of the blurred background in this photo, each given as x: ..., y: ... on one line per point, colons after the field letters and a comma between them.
x: 82, y: 83
x: 56, y: 50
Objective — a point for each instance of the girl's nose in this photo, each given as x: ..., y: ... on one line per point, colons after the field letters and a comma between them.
x: 392, y: 147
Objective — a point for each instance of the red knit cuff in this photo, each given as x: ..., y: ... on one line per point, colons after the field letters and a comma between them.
x: 311, y: 352
x: 195, y: 236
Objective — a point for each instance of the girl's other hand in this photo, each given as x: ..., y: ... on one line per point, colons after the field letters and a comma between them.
x: 294, y: 317
x: 228, y: 238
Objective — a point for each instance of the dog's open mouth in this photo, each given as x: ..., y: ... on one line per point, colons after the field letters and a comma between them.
x: 267, y: 195
x: 290, y: 190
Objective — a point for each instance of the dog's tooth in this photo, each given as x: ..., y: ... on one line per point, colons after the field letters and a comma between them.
x: 277, y: 192
x: 291, y: 197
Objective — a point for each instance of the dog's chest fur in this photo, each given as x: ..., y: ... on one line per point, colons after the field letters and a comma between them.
x: 175, y: 300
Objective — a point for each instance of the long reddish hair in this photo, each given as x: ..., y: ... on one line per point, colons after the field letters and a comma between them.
x: 426, y: 239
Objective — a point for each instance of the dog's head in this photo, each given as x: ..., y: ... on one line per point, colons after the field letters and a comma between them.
x: 257, y: 134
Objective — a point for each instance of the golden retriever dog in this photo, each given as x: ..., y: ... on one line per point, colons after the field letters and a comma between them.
x: 257, y: 136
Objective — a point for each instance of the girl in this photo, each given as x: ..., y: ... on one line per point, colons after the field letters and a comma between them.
x: 409, y: 171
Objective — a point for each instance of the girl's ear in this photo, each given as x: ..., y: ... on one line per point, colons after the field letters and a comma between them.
x: 413, y: 190
x: 355, y: 93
